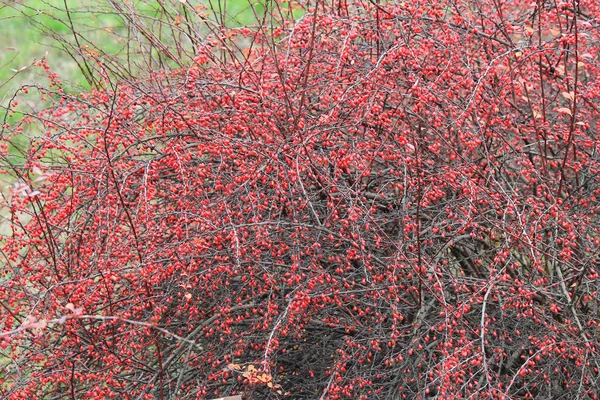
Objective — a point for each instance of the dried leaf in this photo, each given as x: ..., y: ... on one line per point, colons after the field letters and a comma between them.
x: 564, y: 110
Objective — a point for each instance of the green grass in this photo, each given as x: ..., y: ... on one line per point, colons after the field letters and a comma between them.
x: 34, y: 29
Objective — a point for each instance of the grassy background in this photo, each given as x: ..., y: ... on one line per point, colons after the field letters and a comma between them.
x: 30, y: 29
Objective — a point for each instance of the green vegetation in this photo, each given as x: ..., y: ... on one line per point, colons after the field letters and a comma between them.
x: 67, y: 31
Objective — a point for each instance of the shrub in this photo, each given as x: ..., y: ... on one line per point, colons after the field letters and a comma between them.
x: 372, y: 201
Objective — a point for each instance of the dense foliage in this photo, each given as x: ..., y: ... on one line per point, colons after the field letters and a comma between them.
x: 373, y: 201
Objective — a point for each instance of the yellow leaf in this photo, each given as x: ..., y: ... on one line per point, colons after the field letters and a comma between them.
x: 568, y: 95
x: 234, y: 366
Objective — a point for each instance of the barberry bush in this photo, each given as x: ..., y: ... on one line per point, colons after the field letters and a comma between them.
x: 362, y: 200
